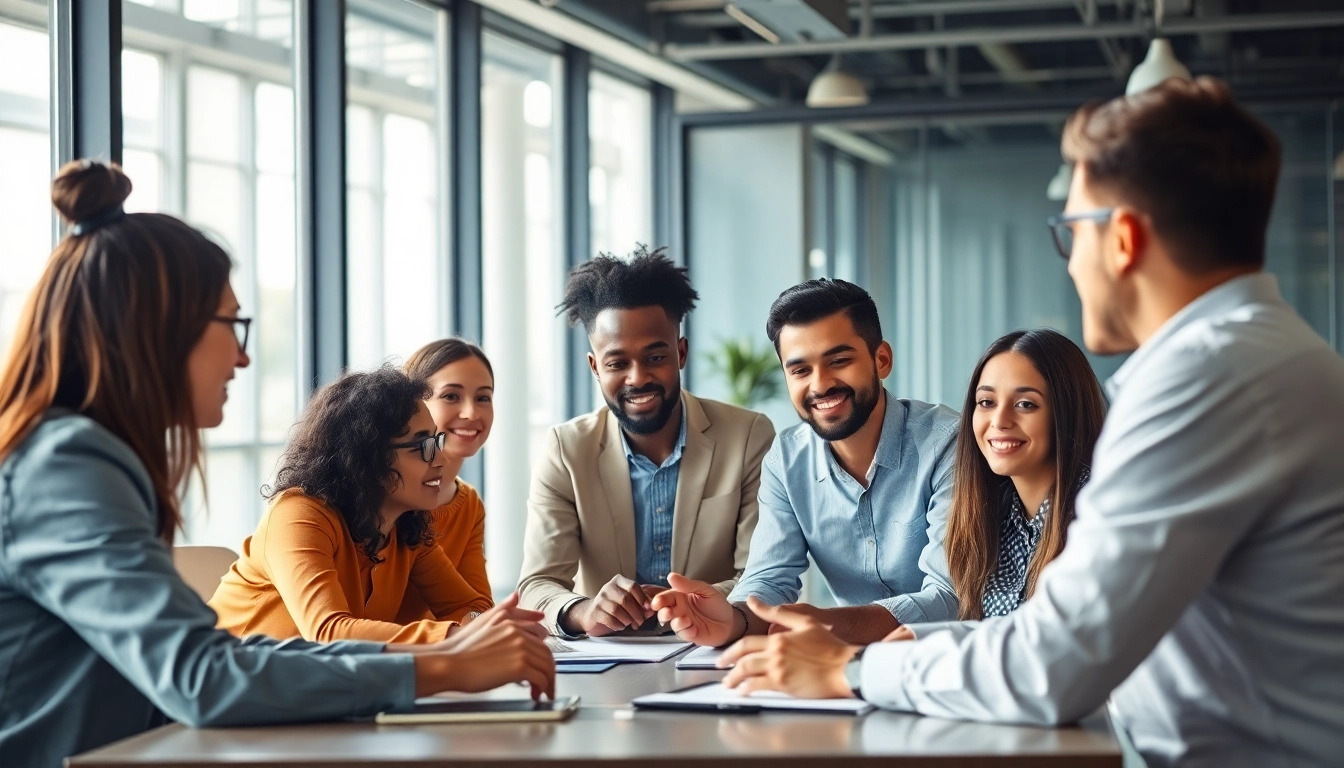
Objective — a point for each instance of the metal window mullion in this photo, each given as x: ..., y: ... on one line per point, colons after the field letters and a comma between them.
x: 665, y: 181
x: 464, y: 200
x: 577, y: 217
x: 247, y: 115
x: 85, y: 40
x: 443, y: 170
x: 319, y: 118
x: 380, y: 209
x: 173, y: 139
x: 465, y: 78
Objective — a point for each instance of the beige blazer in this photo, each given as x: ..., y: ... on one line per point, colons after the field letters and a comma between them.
x: 580, y: 513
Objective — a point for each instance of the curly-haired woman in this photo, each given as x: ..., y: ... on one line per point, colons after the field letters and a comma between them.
x: 349, y: 528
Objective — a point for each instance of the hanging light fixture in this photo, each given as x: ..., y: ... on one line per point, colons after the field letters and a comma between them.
x: 835, y: 87
x: 1058, y: 188
x: 1160, y: 64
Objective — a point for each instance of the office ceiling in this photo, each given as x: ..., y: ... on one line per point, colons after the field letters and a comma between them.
x: 964, y: 50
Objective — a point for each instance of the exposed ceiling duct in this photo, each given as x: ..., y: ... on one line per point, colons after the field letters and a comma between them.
x: 794, y: 20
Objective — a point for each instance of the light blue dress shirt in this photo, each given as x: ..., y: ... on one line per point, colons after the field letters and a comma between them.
x: 99, y: 636
x: 880, y: 544
x: 653, y: 488
x: 1203, y: 578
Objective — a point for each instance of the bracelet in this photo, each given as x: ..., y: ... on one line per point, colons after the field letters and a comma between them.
x: 746, y: 621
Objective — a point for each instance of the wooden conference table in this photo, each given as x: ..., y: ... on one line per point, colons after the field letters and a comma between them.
x: 607, y: 732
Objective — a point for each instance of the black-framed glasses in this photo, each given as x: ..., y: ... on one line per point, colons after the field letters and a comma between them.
x: 1061, y: 227
x: 242, y: 327
x: 429, y: 446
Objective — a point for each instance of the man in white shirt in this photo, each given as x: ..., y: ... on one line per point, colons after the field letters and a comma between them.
x: 1202, y: 586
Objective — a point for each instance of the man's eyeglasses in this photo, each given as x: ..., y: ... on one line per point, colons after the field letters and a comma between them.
x: 242, y: 326
x: 429, y: 446
x: 1061, y: 227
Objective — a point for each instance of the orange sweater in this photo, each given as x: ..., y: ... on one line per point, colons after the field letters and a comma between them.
x: 302, y: 575
x: 459, y: 530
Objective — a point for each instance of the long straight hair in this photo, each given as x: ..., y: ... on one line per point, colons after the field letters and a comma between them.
x: 108, y: 330
x: 1077, y: 409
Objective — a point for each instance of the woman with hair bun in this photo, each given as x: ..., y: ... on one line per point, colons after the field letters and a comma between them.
x: 123, y: 354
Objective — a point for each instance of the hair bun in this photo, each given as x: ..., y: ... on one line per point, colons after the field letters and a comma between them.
x: 85, y: 187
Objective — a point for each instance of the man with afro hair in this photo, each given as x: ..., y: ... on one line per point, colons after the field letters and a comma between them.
x: 656, y: 481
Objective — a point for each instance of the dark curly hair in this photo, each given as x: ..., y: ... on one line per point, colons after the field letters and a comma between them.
x: 607, y: 282
x: 339, y: 453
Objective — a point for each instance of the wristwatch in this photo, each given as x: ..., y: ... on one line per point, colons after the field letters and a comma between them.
x: 854, y: 674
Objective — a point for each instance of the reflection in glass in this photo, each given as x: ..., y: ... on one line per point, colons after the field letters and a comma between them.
x: 523, y: 274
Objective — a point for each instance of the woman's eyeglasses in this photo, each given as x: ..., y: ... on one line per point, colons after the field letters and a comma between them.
x: 429, y: 446
x: 242, y: 327
x: 1061, y: 227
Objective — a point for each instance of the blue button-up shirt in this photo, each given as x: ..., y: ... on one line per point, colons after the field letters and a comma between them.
x: 653, y: 488
x: 1202, y: 578
x: 883, y: 543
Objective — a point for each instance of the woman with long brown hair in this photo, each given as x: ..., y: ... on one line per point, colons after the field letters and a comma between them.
x: 461, y: 388
x: 1032, y: 416
x: 123, y: 354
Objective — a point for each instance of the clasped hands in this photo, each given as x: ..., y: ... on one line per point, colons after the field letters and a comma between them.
x: 805, y: 652
x: 620, y: 604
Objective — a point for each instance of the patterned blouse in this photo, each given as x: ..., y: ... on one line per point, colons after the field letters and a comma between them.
x: 1018, y: 537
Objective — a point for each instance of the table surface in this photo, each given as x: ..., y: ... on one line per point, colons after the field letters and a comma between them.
x: 607, y: 731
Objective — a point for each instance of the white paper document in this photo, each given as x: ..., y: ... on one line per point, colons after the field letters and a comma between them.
x: 703, y: 657
x: 618, y: 649
x: 714, y: 696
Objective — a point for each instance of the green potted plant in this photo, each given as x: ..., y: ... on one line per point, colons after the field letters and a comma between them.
x: 751, y: 372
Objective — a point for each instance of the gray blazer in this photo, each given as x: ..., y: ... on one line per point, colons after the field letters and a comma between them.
x: 99, y: 634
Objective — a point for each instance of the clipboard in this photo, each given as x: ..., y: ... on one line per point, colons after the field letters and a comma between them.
x: 713, y: 698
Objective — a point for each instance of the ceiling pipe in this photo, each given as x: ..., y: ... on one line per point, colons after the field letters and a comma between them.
x: 1259, y: 22
x: 701, y: 13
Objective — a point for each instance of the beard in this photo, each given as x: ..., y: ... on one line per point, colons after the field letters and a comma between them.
x: 864, y: 402
x: 644, y: 425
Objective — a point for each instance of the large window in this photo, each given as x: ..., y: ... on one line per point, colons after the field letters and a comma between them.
x: 209, y: 131
x: 397, y: 283
x: 25, y: 160
x: 620, y: 183
x: 523, y: 272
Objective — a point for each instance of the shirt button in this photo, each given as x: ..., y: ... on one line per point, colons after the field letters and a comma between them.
x: 660, y: 509
x: 660, y: 547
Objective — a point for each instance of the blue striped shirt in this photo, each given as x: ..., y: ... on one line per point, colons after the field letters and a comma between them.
x: 654, y: 491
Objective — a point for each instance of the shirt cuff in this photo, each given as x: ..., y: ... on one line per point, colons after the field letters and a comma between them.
x: 882, y: 675
x: 384, y: 683
x: 906, y: 610
x: 560, y: 619
x: 959, y: 629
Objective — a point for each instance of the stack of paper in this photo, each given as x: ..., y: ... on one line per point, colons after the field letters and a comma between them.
x: 617, y: 649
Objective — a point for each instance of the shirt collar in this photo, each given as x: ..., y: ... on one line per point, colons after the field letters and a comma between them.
x: 888, y: 443
x: 675, y: 456
x: 1258, y: 287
